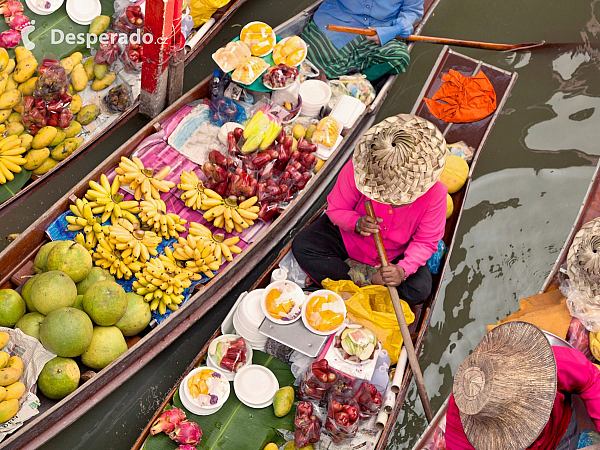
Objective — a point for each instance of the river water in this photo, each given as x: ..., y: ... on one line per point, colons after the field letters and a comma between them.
x: 528, y: 186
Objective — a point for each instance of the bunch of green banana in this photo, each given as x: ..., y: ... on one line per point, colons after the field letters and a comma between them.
x: 105, y: 199
x: 223, y: 248
x: 143, y: 181
x: 162, y: 284
x: 226, y: 213
x: 84, y: 219
x: 108, y: 257
x: 198, y: 255
x: 131, y: 240
x: 193, y: 190
x: 153, y: 214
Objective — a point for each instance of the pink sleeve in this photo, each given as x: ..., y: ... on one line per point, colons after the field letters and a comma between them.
x: 577, y: 375
x: 455, y: 434
x: 343, y: 199
x: 430, y: 230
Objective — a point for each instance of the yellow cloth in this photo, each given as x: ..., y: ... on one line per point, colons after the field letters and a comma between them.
x: 371, y: 306
x: 546, y: 311
x: 202, y: 10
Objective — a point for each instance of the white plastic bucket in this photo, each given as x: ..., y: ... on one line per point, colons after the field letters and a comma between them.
x: 315, y: 94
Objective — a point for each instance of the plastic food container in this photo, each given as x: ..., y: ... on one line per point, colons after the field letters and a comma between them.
x: 347, y: 110
x: 193, y: 405
x: 249, y: 71
x: 288, y: 292
x: 291, y: 51
x: 336, y: 307
x: 315, y: 94
x: 83, y: 12
x: 212, y: 363
x: 259, y: 37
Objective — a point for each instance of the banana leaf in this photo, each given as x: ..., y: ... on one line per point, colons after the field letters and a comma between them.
x: 236, y: 426
x: 9, y: 189
x: 58, y: 20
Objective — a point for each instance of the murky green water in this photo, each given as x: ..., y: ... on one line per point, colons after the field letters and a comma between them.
x: 527, y: 189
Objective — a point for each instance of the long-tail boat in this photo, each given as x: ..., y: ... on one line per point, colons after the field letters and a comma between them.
x: 590, y: 209
x: 475, y: 135
x: 16, y: 259
x: 221, y: 16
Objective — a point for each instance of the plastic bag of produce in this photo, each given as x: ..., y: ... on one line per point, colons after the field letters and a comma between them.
x: 225, y: 110
x: 356, y: 86
x: 317, y: 379
x: 368, y: 400
x: 434, y: 261
x: 202, y: 10
x: 52, y: 81
x: 579, y: 337
x: 342, y: 417
x: 581, y: 307
x: 128, y: 19
x: 372, y: 307
x: 108, y: 51
x: 119, y: 98
x: 307, y: 425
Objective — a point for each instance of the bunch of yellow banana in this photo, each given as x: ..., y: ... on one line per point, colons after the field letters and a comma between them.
x: 595, y: 345
x: 226, y: 213
x: 105, y: 199
x: 10, y: 158
x: 153, y: 213
x: 108, y: 257
x: 162, y: 284
x: 142, y: 180
x: 131, y: 240
x: 84, y: 219
x: 193, y: 190
x: 223, y: 247
x: 198, y: 255
x: 169, y: 258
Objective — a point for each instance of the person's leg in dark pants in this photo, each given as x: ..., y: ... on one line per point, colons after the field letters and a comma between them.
x: 416, y: 287
x: 320, y: 251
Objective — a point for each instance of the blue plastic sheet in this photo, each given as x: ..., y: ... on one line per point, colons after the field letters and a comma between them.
x: 436, y: 259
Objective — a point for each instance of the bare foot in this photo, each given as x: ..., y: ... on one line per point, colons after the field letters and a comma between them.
x: 377, y: 279
x: 308, y: 282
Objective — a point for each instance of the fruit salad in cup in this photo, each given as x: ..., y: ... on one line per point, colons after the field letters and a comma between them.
x: 207, y: 387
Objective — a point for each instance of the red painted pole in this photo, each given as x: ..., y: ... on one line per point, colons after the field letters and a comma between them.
x: 158, y: 37
x: 177, y: 63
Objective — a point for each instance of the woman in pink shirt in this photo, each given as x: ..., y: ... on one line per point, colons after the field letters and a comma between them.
x: 514, y: 392
x: 410, y: 217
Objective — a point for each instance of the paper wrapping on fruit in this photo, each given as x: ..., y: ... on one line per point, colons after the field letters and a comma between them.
x: 249, y: 71
x: 290, y: 51
x: 327, y: 132
x: 372, y: 307
x: 232, y: 56
x: 202, y: 10
x: 34, y: 357
x: 259, y: 37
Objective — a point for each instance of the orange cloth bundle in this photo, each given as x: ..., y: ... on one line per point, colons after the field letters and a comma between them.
x: 467, y: 99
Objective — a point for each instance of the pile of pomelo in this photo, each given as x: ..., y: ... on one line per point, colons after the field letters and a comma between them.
x: 74, y: 310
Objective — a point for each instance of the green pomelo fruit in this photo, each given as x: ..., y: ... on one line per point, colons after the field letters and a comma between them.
x: 66, y: 332
x: 137, y: 317
x: 107, y: 345
x: 96, y: 274
x: 39, y: 263
x: 12, y: 307
x: 71, y: 258
x: 30, y: 324
x: 26, y: 293
x: 105, y: 302
x: 78, y: 302
x: 52, y: 290
x: 58, y: 378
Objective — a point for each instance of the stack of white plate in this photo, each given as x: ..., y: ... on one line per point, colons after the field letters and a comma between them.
x: 247, y: 318
x: 83, y: 12
x: 255, y: 386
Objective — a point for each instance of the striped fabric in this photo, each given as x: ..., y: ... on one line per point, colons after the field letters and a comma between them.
x: 361, y: 55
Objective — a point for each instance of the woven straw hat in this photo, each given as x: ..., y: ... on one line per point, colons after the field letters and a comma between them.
x: 583, y: 261
x: 506, y: 388
x: 399, y: 159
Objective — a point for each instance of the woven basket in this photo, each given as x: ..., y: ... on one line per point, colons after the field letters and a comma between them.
x: 399, y: 159
x: 583, y: 261
x: 506, y: 388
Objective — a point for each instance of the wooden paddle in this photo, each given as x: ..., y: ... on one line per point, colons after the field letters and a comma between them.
x: 410, y: 349
x: 439, y: 40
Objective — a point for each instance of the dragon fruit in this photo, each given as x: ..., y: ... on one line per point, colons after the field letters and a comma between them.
x: 186, y: 447
x: 18, y: 22
x: 187, y: 433
x: 10, y: 38
x: 168, y: 421
x: 10, y: 8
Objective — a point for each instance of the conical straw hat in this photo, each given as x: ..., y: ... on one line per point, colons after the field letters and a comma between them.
x: 583, y: 260
x: 399, y: 159
x: 506, y: 388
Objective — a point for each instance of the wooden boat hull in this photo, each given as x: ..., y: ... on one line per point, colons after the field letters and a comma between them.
x: 9, y: 205
x: 503, y: 82
x: 21, y: 251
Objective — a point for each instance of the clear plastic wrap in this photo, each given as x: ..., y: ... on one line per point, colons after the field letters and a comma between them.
x: 580, y: 306
x: 368, y: 399
x: 462, y: 150
x: 132, y: 57
x: 249, y: 71
x: 307, y: 424
x: 579, y: 337
x: 119, y: 98
x: 290, y: 51
x: 129, y: 19
x: 280, y: 76
x: 342, y: 417
x: 108, y: 51
x: 356, y: 86
x: 231, y: 56
x: 52, y: 81
x: 327, y: 132
x: 259, y: 37
x: 316, y: 381
x: 225, y: 110
x: 294, y: 271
